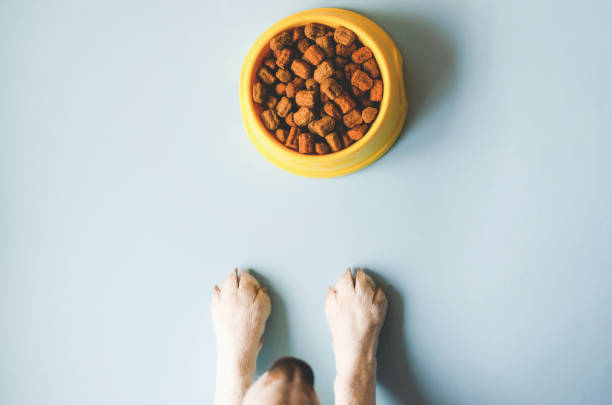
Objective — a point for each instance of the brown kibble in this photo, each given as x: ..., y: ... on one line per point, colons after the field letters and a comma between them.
x: 270, y: 63
x: 294, y: 86
x: 270, y: 120
x: 291, y: 141
x: 340, y: 62
x: 368, y: 114
x: 333, y: 141
x: 303, y: 116
x: 352, y: 119
x: 344, y: 50
x: 357, y: 92
x: 271, y: 101
x: 332, y: 110
x: 362, y: 54
x: 298, y: 33
x: 324, y: 98
x: 327, y: 44
x: 322, y: 148
x: 281, y: 135
x: 323, y: 126
x: 266, y: 76
x: 371, y: 68
x: 311, y: 84
x: 350, y: 69
x: 331, y: 88
x: 283, y: 108
x: 303, y: 44
x: 259, y: 93
x: 280, y: 88
x: 284, y: 58
x: 323, y: 71
x: 365, y: 101
x: 301, y: 69
x: 314, y: 55
x: 314, y: 30
x: 305, y: 98
x: 345, y: 102
x: 281, y: 41
x: 376, y: 92
x: 283, y: 75
x: 289, y: 120
x: 361, y: 80
x: 344, y: 36
x: 346, y: 141
x: 358, y: 132
x: 305, y: 143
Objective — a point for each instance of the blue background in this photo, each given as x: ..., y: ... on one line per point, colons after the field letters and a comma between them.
x: 129, y: 188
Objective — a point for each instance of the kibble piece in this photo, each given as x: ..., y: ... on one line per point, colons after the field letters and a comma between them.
x: 361, y: 55
x: 332, y: 110
x: 298, y: 33
x: 270, y: 62
x: 305, y: 98
x: 270, y: 120
x: 280, y: 88
x: 365, y: 101
x: 368, y: 114
x: 361, y: 80
x: 371, y: 68
x: 344, y: 50
x: 289, y: 120
x: 333, y: 141
x: 340, y: 62
x: 284, y: 75
x: 324, y: 98
x: 311, y: 84
x: 305, y: 143
x: 346, y: 141
x: 291, y: 141
x: 350, y: 69
x: 345, y: 102
x: 271, y: 101
x: 344, y: 36
x: 281, y: 41
x: 376, y: 92
x: 352, y: 119
x: 303, y: 116
x: 283, y: 108
x: 358, y: 132
x: 314, y: 55
x: 259, y: 93
x: 357, y: 92
x: 327, y: 44
x: 323, y: 71
x: 301, y: 69
x: 266, y: 76
x: 303, y: 44
x: 322, y: 148
x: 284, y: 58
x: 323, y: 126
x: 294, y: 86
x: 331, y: 88
x: 281, y: 135
x: 314, y: 30
x: 339, y: 75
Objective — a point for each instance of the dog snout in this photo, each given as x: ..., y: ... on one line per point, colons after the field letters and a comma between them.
x: 292, y: 369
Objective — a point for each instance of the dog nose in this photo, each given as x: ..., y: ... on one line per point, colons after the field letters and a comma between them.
x: 291, y: 369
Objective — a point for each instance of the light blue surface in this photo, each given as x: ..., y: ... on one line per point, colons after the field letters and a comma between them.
x: 129, y: 188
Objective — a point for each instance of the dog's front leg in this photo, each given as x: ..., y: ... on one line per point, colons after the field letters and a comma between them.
x: 240, y: 309
x: 355, y: 311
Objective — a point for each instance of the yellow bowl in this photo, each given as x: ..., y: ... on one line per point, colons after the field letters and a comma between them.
x: 385, y: 128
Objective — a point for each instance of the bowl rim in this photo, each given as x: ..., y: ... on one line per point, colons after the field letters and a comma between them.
x: 346, y: 18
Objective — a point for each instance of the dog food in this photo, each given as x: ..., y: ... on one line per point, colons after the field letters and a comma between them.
x: 319, y: 89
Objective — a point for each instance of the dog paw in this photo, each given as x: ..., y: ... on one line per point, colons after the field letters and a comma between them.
x: 355, y: 311
x: 240, y: 309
